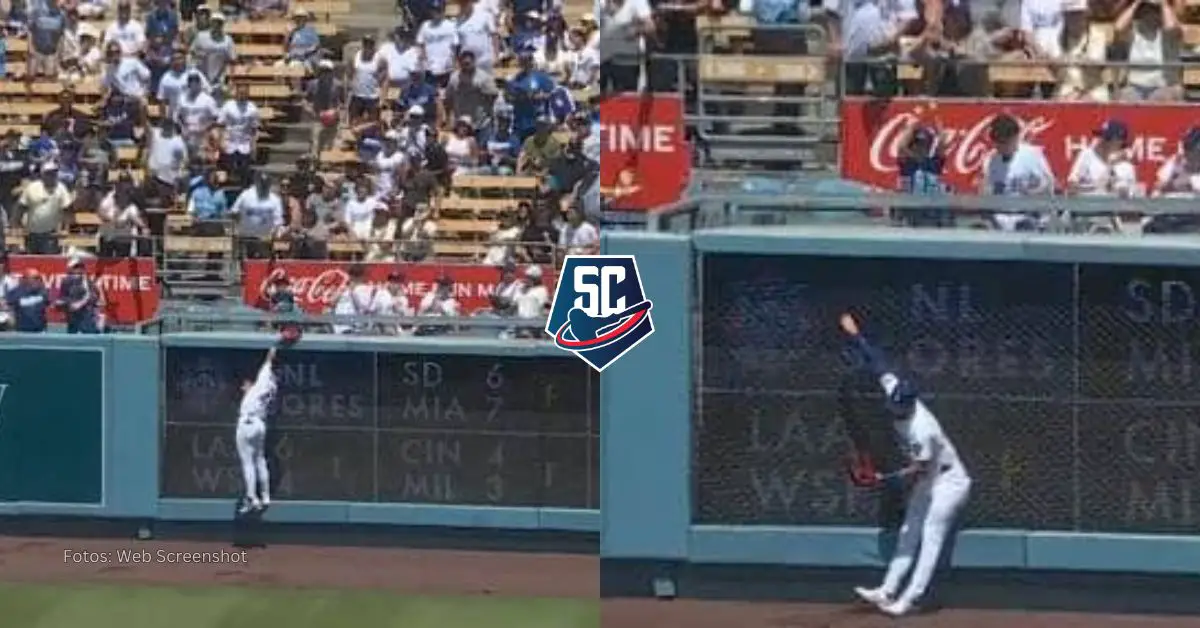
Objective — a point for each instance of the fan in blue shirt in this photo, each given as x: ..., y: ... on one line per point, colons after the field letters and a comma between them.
x: 528, y: 92
x: 79, y: 298
x: 163, y: 21
x: 28, y: 301
x: 500, y: 143
x: 419, y: 93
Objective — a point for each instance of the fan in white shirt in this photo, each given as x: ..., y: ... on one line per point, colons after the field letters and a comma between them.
x: 240, y: 120
x: 126, y: 32
x: 195, y: 111
x: 359, y: 299
x: 1180, y: 176
x: 127, y: 75
x: 440, y: 301
x: 579, y: 237
x: 534, y: 296
x: 477, y: 34
x: 359, y: 211
x: 1104, y: 169
x: 403, y: 58
x: 1015, y: 169
x: 387, y: 164
x: 175, y: 80
x: 438, y: 38
x: 502, y: 241
x: 583, y: 61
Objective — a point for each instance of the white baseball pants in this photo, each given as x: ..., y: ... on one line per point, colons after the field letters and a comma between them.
x: 932, y: 509
x: 251, y: 439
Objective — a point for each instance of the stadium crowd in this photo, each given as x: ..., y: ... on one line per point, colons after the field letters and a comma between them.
x: 163, y: 120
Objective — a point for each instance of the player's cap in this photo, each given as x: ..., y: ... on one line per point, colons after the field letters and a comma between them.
x: 533, y: 271
x: 903, y: 395
x: 1003, y: 128
x: 1113, y: 130
x: 395, y: 276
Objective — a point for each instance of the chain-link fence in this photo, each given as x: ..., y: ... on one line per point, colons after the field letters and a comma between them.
x: 1069, y: 389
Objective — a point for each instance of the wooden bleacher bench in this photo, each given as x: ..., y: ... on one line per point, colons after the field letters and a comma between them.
x: 320, y: 8
x: 472, y: 226
x: 197, y: 244
x: 757, y: 69
x: 260, y: 51
x: 486, y: 182
x: 456, y: 203
x: 265, y: 72
x: 27, y: 130
x: 270, y: 92
x: 443, y: 248
x: 274, y: 28
x: 723, y: 29
x: 44, y: 88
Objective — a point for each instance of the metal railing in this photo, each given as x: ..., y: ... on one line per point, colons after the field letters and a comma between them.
x: 224, y: 319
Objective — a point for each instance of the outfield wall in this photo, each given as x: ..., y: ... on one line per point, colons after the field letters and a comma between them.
x: 729, y: 460
x: 415, y: 432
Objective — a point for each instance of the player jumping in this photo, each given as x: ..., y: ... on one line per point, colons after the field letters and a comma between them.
x: 251, y: 436
x: 940, y: 485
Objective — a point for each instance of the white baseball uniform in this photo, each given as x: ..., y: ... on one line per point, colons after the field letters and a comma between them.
x: 251, y: 435
x: 933, y: 504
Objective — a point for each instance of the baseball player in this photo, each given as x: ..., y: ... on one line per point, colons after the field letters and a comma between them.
x: 939, y: 485
x: 251, y: 435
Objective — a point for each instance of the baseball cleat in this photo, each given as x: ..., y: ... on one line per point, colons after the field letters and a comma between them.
x: 899, y: 608
x: 876, y: 597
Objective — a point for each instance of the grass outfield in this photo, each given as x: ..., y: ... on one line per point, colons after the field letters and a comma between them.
x: 130, y: 606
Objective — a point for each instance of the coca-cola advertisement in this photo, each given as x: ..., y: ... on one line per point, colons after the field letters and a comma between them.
x: 874, y: 130
x: 318, y: 284
x: 127, y: 285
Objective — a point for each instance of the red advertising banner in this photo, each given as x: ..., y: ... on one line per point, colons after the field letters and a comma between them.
x: 128, y: 284
x: 873, y: 130
x: 645, y: 160
x: 318, y: 283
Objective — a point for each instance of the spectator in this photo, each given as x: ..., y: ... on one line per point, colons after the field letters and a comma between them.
x: 416, y: 134
x: 322, y: 104
x: 1179, y: 177
x: 79, y: 299
x: 122, y: 119
x: 395, y: 303
x: 208, y: 206
x: 578, y: 236
x: 84, y: 59
x: 163, y: 21
x: 299, y: 185
x: 47, y: 27
x: 359, y: 210
x: 569, y: 170
x: 259, y: 212
x: 239, y: 121
x: 502, y: 241
x: 196, y: 113
x: 360, y: 298
x: 624, y: 25
x: 175, y: 79
x: 166, y: 157
x: 532, y: 300
x: 1104, y: 168
x: 540, y: 150
x: 303, y: 43
x: 538, y: 236
x: 315, y: 222
x: 201, y: 21
x: 387, y: 165
x: 212, y: 51
x: 126, y: 32
x: 440, y: 301
x: 501, y: 144
x: 66, y: 115
x: 582, y: 60
x: 267, y: 9
x: 157, y: 57
x: 1015, y: 168
x: 471, y: 92
x: 438, y: 39
x: 477, y: 35
x: 506, y: 290
x: 461, y: 147
x: 125, y: 75
x: 403, y: 58
x: 421, y: 95
x: 528, y: 92
x: 369, y: 70
x: 417, y: 234
x: 12, y: 172
x: 381, y: 240
x: 43, y: 204
x: 27, y: 302
x: 1151, y: 31
x: 92, y: 9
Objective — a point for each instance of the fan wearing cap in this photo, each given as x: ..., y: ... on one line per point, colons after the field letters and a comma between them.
x: 583, y: 60
x: 259, y: 212
x: 416, y: 134
x: 501, y: 146
x: 532, y: 297
x: 163, y: 20
x: 125, y: 74
x: 359, y: 298
x: 417, y: 233
x: 322, y: 102
x: 437, y: 39
x: 1104, y: 168
x: 528, y: 91
x: 1015, y: 167
x: 420, y: 95
x: 86, y: 58
x: 388, y: 164
x: 440, y: 301
x: 43, y: 203
x: 540, y: 150
x: 27, y: 302
x: 1180, y: 176
x: 368, y: 75
x: 174, y: 81
x: 79, y: 298
x: 303, y: 41
x: 462, y: 150
x: 212, y: 50
x: 1081, y: 76
x: 359, y: 210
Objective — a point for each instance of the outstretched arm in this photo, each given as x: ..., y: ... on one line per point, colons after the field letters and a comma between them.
x: 266, y: 372
x: 871, y: 354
